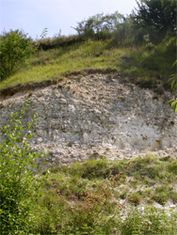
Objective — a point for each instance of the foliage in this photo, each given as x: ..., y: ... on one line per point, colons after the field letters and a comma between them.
x: 149, y: 221
x: 15, y: 47
x: 158, y: 17
x: 134, y: 45
x: 153, y: 26
x: 153, y: 62
x: 122, y: 35
x: 99, y: 26
x: 84, y: 198
x: 173, y: 81
x: 161, y: 57
x: 18, y: 185
x: 128, y: 34
x: 53, y: 64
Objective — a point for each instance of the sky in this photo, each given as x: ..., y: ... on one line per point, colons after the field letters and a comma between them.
x: 33, y: 16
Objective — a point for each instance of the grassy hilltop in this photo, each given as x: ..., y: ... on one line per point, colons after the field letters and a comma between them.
x: 144, y: 49
x: 140, y: 64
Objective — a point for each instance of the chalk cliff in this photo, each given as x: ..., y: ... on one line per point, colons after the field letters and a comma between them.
x: 97, y: 114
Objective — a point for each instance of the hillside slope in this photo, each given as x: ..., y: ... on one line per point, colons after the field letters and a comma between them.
x: 97, y: 114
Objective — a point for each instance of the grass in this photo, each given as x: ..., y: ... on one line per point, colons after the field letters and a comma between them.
x: 101, y: 197
x: 54, y: 63
x: 147, y: 66
x: 153, y: 64
x: 150, y: 177
x: 86, y: 198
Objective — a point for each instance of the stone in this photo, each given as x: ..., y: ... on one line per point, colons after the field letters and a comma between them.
x: 116, y: 119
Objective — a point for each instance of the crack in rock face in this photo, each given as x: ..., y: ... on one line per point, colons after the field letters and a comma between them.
x: 98, y: 114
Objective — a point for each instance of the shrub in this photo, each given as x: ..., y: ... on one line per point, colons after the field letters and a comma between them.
x: 99, y: 26
x: 161, y: 57
x: 15, y: 47
x: 162, y: 194
x: 135, y: 198
x: 153, y: 61
x: 158, y: 18
x: 18, y: 185
x: 127, y: 34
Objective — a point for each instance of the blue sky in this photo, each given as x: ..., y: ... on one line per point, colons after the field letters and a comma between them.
x: 33, y: 16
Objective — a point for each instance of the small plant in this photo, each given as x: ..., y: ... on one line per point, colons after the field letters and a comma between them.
x: 135, y: 198
x: 173, y: 80
x: 161, y: 194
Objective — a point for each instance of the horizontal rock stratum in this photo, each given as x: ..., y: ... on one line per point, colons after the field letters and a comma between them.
x: 100, y: 114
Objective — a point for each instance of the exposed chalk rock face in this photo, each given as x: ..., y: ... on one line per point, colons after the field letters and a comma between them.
x: 98, y: 113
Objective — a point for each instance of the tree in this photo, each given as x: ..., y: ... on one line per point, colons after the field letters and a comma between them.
x: 99, y: 25
x: 158, y: 17
x: 15, y: 48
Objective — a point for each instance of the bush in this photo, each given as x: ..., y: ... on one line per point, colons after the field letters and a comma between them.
x: 127, y: 34
x: 15, y: 47
x: 158, y: 18
x: 153, y: 61
x: 18, y: 185
x: 99, y: 26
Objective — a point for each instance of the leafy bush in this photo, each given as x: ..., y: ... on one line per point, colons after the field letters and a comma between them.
x: 128, y: 34
x: 161, y: 57
x: 158, y: 18
x: 15, y: 47
x: 99, y: 26
x: 18, y: 185
x: 153, y: 62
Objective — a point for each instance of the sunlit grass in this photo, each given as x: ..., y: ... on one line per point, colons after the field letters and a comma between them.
x: 53, y: 64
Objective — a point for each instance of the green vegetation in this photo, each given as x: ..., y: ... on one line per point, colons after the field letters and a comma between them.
x: 156, y: 23
x: 99, y: 26
x: 18, y: 185
x: 173, y: 102
x: 98, y: 197
x: 92, y: 197
x: 15, y: 48
x: 54, y: 63
x: 86, y: 198
x: 141, y: 46
x: 158, y: 18
x: 152, y: 64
